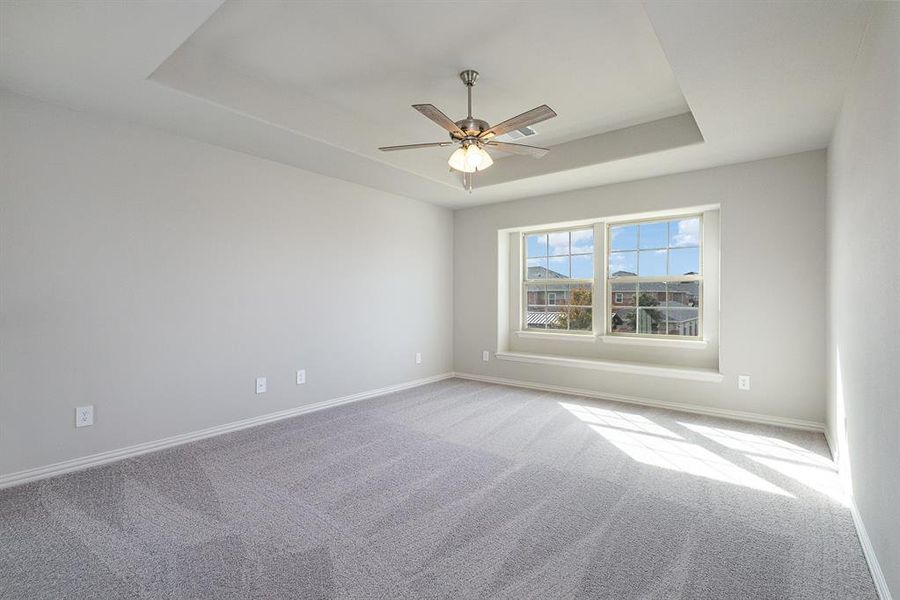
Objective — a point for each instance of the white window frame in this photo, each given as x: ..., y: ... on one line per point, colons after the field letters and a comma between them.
x: 525, y: 282
x: 609, y: 280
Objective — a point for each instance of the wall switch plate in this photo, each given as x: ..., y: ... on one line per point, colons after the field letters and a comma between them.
x: 485, y: 356
x: 261, y: 385
x: 301, y: 376
x: 84, y: 416
x: 418, y: 358
x: 744, y: 382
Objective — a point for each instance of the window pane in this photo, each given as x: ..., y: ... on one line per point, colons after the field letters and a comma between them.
x: 536, y: 245
x: 557, y: 294
x: 580, y: 295
x: 622, y: 294
x: 622, y: 264
x: 535, y: 293
x: 623, y: 237
x: 684, y: 232
x: 559, y: 266
x: 554, y: 317
x: 583, y: 266
x: 651, y: 293
x: 537, y: 268
x: 654, y: 235
x: 536, y: 317
x: 650, y: 320
x: 583, y: 241
x: 683, y: 294
x: 683, y: 321
x: 652, y: 263
x: 576, y: 318
x: 559, y: 243
x: 623, y: 320
x: 684, y: 261
x: 652, y: 250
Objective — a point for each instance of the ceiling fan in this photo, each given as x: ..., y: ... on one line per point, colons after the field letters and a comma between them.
x: 475, y: 136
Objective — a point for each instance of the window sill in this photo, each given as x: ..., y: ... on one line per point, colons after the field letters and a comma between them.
x: 654, y: 342
x: 556, y: 335
x: 709, y: 375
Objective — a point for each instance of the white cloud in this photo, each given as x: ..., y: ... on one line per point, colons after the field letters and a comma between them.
x: 688, y: 233
x: 619, y: 262
x: 583, y: 241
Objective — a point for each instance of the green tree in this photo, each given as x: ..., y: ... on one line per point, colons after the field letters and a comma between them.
x: 577, y: 316
x: 655, y: 316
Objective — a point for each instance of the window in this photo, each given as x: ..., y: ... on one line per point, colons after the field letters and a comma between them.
x: 654, y: 277
x: 558, y: 278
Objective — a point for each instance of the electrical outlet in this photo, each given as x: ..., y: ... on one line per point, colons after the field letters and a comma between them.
x: 261, y: 385
x: 418, y: 358
x: 744, y: 382
x: 84, y: 416
x: 486, y: 356
x: 301, y: 376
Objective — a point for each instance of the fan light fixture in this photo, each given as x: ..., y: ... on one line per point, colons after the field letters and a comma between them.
x: 470, y: 159
x: 473, y: 136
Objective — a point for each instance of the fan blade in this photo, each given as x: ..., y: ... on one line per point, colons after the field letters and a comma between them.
x: 519, y: 149
x: 432, y: 112
x: 414, y: 146
x: 535, y: 115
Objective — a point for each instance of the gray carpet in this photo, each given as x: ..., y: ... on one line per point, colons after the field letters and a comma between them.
x: 452, y: 490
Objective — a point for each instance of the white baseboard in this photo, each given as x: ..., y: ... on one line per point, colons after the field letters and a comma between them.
x: 831, y: 447
x: 690, y: 408
x: 881, y: 585
x: 93, y: 460
x: 868, y: 550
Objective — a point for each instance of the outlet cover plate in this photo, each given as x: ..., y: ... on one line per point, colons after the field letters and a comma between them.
x: 744, y: 382
x: 84, y: 416
x: 261, y: 385
x: 301, y: 376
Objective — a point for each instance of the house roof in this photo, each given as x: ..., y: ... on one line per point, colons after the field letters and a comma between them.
x: 687, y: 287
x: 542, y: 318
x: 544, y: 273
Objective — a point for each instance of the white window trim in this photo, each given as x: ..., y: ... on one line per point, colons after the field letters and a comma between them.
x: 658, y: 342
x: 564, y: 336
x: 601, y: 290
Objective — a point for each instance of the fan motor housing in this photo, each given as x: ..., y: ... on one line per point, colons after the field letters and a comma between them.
x: 472, y: 126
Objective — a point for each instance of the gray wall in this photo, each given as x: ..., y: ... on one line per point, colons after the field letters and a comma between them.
x: 772, y: 281
x: 155, y: 277
x: 864, y: 287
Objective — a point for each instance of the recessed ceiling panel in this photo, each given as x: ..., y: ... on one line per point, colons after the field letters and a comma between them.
x: 346, y: 73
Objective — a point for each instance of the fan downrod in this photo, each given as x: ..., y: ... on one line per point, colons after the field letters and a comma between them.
x: 470, y: 125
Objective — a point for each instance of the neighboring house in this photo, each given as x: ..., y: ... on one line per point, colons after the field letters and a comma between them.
x: 551, y: 293
x: 680, y: 320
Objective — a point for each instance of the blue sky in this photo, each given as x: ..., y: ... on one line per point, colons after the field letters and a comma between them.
x: 648, y: 249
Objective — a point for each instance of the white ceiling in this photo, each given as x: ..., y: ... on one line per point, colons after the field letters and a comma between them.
x: 321, y: 85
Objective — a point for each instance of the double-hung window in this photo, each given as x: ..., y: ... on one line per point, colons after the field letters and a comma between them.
x: 655, y: 278
x: 558, y: 279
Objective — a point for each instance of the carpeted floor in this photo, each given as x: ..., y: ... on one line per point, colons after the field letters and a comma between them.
x: 452, y: 490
